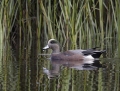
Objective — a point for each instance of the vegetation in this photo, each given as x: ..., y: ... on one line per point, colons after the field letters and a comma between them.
x: 82, y: 23
x: 77, y: 21
x: 69, y: 19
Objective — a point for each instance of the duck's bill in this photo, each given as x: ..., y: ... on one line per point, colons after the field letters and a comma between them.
x: 46, y: 47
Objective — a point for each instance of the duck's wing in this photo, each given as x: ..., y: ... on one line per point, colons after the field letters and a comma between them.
x: 79, y: 51
x: 82, y: 52
x: 72, y: 53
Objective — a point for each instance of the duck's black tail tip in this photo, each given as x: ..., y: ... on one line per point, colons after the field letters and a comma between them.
x: 97, y: 54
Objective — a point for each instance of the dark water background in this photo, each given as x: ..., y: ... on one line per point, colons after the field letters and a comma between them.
x: 26, y: 67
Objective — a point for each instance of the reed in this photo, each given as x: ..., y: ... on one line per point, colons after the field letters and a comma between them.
x: 78, y: 21
x: 117, y: 13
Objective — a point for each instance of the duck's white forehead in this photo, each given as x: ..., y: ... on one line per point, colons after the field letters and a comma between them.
x: 50, y: 40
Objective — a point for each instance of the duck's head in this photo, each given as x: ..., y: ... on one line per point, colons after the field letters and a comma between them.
x: 54, y: 45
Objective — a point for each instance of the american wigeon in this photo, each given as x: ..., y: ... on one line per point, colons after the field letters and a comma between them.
x: 71, y: 54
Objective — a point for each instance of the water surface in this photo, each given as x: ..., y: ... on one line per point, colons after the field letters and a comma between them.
x: 26, y: 68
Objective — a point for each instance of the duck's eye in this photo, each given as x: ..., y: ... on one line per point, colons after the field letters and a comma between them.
x: 53, y: 42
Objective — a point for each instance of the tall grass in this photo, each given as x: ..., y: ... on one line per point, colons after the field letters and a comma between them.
x: 1, y: 39
x: 80, y: 21
x: 77, y: 21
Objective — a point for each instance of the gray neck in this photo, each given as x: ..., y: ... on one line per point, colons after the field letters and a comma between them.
x: 56, y: 49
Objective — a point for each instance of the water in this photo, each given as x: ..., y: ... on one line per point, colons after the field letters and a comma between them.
x: 99, y: 76
x: 28, y: 68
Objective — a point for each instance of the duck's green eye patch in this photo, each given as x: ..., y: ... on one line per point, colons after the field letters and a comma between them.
x: 53, y: 42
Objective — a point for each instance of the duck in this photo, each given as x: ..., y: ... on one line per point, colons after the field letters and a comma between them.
x: 77, y: 54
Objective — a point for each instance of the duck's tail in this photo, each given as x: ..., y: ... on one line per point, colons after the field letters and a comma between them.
x: 97, y: 54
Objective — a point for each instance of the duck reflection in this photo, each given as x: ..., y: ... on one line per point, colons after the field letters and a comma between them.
x: 56, y: 65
